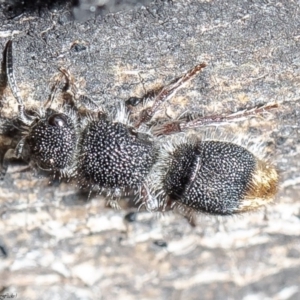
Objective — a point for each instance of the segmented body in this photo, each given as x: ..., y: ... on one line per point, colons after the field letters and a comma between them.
x: 112, y: 153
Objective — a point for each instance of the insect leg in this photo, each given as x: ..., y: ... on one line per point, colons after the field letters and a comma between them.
x: 81, y: 100
x: 150, y: 202
x: 88, y: 103
x: 9, y: 155
x: 53, y: 93
x: 182, y: 125
x: 166, y: 93
x: 135, y: 101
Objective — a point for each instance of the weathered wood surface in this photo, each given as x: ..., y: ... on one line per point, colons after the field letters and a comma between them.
x: 60, y: 246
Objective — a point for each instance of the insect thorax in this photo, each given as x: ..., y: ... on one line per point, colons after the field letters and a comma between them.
x: 113, y: 156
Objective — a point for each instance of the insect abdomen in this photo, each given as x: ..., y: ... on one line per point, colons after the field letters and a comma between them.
x: 219, y: 178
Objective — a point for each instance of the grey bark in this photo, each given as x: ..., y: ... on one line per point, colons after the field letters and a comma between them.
x: 61, y: 246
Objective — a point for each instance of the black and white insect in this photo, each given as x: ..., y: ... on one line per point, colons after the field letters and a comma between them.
x: 163, y: 164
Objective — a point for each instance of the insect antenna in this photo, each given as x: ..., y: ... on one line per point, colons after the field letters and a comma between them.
x: 8, y: 55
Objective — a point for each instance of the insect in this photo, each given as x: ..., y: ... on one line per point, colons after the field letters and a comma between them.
x: 161, y: 163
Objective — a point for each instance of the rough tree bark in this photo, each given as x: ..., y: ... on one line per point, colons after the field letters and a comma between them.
x: 61, y: 246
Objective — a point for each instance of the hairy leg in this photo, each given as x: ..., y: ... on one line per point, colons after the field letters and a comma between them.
x: 80, y: 100
x: 9, y: 155
x: 182, y: 125
x: 165, y: 94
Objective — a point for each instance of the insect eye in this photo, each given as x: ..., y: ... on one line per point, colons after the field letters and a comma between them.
x: 57, y: 120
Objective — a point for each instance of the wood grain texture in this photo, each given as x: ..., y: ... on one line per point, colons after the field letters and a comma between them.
x: 61, y: 246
